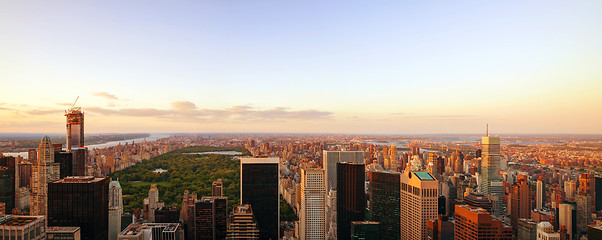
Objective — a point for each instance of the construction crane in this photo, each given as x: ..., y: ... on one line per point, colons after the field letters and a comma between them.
x: 72, y: 106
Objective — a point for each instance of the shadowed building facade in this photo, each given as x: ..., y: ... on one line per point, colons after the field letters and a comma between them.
x: 82, y: 202
x: 384, y: 202
x: 259, y: 184
x: 351, y: 199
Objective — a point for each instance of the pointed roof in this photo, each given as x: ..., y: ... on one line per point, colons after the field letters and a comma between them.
x: 115, y: 184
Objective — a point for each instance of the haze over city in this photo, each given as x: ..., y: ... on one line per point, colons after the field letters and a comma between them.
x: 310, y: 67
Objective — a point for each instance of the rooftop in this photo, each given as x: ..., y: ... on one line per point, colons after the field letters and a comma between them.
x: 424, y: 176
x: 62, y: 229
x: 80, y: 179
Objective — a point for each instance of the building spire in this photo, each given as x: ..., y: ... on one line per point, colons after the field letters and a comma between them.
x: 487, y: 130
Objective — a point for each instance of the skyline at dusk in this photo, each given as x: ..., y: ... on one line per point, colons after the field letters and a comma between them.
x: 311, y: 67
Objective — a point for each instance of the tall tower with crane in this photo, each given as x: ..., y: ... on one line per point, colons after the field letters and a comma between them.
x: 75, y: 127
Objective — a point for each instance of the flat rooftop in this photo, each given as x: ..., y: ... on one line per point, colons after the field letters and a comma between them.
x: 79, y: 179
x: 424, y: 176
x: 62, y: 229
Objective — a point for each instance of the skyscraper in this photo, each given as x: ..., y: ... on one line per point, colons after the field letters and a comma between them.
x: 491, y: 181
x: 584, y: 211
x: 330, y: 160
x: 45, y: 170
x: 351, y: 199
x: 259, y: 184
x: 75, y: 127
x: 598, y: 193
x: 540, y: 197
x: 570, y: 188
x: 211, y: 218
x: 242, y: 224
x: 418, y: 203
x: 384, y: 202
x: 312, y: 215
x: 476, y: 223
x: 393, y: 158
x: 80, y: 201
x: 8, y: 180
x: 520, y: 200
x: 567, y: 217
x: 151, y: 203
x: 115, y: 195
x: 216, y: 188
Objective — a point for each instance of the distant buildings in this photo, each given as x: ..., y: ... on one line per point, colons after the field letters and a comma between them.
x: 312, y: 215
x: 418, y: 203
x: 80, y: 201
x: 476, y: 223
x: 259, y: 184
x: 351, y: 199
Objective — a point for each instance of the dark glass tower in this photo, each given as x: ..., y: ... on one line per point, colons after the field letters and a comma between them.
x: 211, y: 218
x: 384, y: 202
x: 259, y: 188
x: 7, y: 182
x: 598, y: 193
x: 80, y: 201
x: 351, y: 199
x: 80, y: 154
x: 65, y: 159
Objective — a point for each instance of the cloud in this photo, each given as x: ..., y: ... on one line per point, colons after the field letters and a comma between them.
x: 45, y: 112
x: 106, y: 95
x: 188, y: 110
x: 433, y: 117
x: 183, y: 106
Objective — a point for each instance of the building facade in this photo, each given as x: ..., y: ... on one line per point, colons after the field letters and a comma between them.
x: 80, y: 201
x: 384, y: 194
x: 476, y: 223
x: 330, y: 160
x: 312, y: 215
x: 418, y: 203
x: 351, y: 199
x: 259, y: 184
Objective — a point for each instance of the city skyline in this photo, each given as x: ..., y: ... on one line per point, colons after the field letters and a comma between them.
x: 312, y: 67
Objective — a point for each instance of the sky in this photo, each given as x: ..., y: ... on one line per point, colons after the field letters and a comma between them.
x: 391, y: 67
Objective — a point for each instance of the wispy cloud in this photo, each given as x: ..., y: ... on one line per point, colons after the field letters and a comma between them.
x: 188, y: 110
x: 433, y: 117
x: 44, y: 112
x: 106, y: 95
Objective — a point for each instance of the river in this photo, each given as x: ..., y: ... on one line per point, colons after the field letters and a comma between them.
x: 152, y: 137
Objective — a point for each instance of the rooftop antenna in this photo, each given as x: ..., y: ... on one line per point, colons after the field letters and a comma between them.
x: 487, y: 129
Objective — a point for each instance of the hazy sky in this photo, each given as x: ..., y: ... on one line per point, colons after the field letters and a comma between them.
x: 396, y: 67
